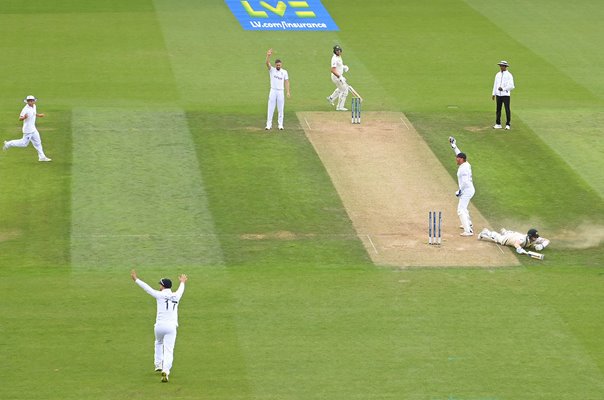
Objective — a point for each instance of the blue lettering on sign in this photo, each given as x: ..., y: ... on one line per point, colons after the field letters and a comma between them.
x: 308, y: 15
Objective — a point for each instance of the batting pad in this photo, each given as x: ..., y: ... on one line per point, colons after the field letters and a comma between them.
x: 138, y: 197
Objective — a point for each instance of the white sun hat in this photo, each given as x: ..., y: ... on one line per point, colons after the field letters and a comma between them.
x: 30, y: 97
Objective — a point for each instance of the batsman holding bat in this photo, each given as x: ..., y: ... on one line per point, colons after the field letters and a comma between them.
x: 520, y: 241
x: 337, y: 77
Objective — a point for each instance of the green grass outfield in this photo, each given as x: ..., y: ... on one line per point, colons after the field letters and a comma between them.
x: 155, y: 110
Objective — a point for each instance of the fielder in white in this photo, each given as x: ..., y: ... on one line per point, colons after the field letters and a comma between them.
x: 520, y: 241
x: 30, y: 133
x: 337, y: 77
x: 466, y: 188
x: 166, y: 321
x: 279, y: 80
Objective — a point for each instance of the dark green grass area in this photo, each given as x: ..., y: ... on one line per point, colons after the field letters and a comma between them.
x: 275, y: 202
x: 35, y: 200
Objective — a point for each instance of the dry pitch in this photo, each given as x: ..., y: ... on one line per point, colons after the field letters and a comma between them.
x: 388, y: 180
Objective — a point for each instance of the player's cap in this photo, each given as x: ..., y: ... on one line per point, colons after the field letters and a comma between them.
x: 532, y: 233
x: 30, y: 97
x: 461, y: 155
x: 504, y: 63
x: 165, y: 282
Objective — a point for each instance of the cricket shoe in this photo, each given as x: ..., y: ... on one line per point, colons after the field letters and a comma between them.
x: 497, y: 126
x: 164, y: 377
x: 157, y: 367
x: 45, y: 159
x: 331, y: 101
x: 466, y: 234
x: 471, y: 227
x: 342, y: 109
x: 507, y: 127
x: 5, y: 147
x: 280, y: 128
x: 503, y: 231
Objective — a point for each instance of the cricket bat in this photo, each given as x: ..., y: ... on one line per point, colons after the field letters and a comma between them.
x: 534, y: 254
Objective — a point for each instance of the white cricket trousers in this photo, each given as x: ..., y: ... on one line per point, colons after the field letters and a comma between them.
x: 34, y: 138
x: 463, y: 212
x: 165, y: 339
x: 275, y: 98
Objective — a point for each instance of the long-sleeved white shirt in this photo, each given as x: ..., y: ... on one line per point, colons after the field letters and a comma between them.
x: 503, y: 80
x: 167, y: 302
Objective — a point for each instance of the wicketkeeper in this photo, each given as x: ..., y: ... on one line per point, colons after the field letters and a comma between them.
x: 520, y: 241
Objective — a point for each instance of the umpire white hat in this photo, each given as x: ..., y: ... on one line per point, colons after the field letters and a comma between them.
x: 504, y: 63
x: 30, y: 97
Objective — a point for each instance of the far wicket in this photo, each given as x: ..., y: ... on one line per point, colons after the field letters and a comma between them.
x: 356, y: 110
x: 434, y: 236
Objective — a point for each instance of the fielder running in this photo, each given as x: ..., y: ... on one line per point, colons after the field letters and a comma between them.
x: 279, y: 80
x: 166, y: 321
x: 518, y: 240
x: 337, y: 77
x: 466, y: 188
x: 30, y: 133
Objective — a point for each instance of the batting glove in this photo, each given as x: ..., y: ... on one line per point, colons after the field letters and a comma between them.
x: 520, y: 250
x: 342, y: 79
x: 538, y: 247
x: 458, y: 193
x: 452, y: 141
x: 346, y: 68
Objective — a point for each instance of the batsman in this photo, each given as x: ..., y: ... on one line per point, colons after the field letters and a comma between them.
x: 337, y: 77
x: 520, y: 241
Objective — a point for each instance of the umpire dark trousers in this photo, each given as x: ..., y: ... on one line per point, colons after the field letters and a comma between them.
x: 503, y: 100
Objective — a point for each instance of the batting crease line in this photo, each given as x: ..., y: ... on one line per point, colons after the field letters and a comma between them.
x: 499, y: 248
x: 372, y: 245
x: 307, y: 124
x: 406, y: 126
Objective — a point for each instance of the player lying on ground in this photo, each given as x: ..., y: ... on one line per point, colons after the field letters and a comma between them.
x: 520, y: 241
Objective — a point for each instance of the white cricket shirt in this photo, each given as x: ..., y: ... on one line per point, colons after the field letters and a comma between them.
x: 464, y: 177
x: 278, y: 78
x: 29, y: 123
x: 167, y: 302
x: 336, y: 61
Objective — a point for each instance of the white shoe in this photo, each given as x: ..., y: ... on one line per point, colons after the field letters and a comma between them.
x: 342, y: 109
x: 164, y: 377
x: 45, y: 159
x: 280, y: 128
x: 466, y: 234
x: 503, y: 231
x: 267, y: 128
x: 331, y: 101
x: 507, y: 127
x: 496, y: 126
x: 5, y: 145
x: 471, y: 227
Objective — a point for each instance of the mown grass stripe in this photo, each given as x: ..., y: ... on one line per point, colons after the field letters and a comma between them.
x: 137, y: 191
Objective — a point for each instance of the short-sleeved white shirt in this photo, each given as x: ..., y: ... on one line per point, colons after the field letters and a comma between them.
x: 29, y: 123
x: 336, y: 61
x: 278, y: 78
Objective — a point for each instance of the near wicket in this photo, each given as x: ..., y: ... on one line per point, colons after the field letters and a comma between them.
x: 356, y: 110
x: 434, y: 236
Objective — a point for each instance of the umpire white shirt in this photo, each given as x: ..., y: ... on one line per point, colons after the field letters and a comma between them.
x: 167, y: 302
x: 503, y: 80
x: 29, y: 123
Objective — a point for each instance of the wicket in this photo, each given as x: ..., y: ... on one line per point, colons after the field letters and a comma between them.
x: 435, y: 236
x: 356, y: 110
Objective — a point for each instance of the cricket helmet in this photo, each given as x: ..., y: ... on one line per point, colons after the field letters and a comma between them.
x: 532, y: 233
x: 165, y: 282
x: 336, y: 48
